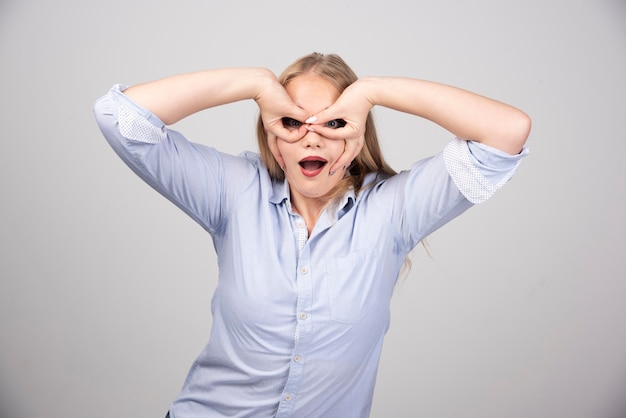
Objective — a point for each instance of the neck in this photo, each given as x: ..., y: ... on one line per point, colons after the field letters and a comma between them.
x: 309, y: 209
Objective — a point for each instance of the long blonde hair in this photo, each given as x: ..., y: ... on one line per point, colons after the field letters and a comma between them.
x: 370, y: 160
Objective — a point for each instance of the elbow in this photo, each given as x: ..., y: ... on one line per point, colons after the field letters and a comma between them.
x: 517, y: 132
x: 521, y: 132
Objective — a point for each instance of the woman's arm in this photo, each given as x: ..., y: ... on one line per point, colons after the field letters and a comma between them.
x: 174, y: 98
x: 466, y: 115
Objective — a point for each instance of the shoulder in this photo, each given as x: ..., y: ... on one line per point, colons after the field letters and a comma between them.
x: 246, y: 169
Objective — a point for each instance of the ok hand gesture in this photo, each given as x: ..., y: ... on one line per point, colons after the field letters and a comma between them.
x: 351, y: 108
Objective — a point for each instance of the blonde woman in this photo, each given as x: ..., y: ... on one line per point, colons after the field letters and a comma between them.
x: 311, y: 233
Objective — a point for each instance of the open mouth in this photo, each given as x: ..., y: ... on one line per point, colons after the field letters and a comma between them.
x: 312, y: 166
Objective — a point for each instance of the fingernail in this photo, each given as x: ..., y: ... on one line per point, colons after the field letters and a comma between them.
x: 312, y: 119
x: 309, y: 128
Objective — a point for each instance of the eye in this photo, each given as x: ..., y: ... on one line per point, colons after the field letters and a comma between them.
x: 291, y: 123
x: 336, y: 123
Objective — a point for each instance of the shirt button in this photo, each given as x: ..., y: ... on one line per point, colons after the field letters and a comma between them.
x: 303, y: 315
x: 288, y: 397
x: 297, y: 358
x: 304, y: 270
x: 300, y: 224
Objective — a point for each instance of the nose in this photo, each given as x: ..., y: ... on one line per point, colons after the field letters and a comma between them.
x: 312, y: 140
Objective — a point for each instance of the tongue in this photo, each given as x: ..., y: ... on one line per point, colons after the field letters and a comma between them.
x: 311, y: 165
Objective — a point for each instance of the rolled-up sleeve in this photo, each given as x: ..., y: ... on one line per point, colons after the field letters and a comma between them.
x: 479, y: 170
x: 438, y: 189
x: 192, y: 176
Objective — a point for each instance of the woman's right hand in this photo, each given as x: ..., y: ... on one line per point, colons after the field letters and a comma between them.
x: 275, y: 104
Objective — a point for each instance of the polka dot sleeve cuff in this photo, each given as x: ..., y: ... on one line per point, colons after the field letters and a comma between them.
x: 479, y: 170
x: 135, y: 123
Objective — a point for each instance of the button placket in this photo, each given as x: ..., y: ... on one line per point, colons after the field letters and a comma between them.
x: 303, y: 329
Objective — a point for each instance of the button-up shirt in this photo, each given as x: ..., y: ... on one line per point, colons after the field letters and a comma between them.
x: 298, y: 320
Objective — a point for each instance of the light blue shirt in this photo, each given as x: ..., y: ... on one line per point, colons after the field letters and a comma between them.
x: 298, y: 320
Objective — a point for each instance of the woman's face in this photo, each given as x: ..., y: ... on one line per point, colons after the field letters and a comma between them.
x: 308, y: 160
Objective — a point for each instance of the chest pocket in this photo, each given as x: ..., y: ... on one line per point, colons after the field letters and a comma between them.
x: 355, y: 286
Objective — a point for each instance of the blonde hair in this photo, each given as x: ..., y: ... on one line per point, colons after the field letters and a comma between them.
x: 370, y: 160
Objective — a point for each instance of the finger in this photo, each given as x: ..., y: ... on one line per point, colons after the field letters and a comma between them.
x: 319, y: 120
x: 348, y: 132
x: 289, y: 135
x: 352, y: 149
x: 338, y: 109
x: 297, y: 113
x: 318, y: 123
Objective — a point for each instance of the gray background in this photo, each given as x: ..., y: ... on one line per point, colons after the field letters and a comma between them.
x: 105, y: 286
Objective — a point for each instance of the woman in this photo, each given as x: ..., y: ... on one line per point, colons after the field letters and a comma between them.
x: 312, y: 233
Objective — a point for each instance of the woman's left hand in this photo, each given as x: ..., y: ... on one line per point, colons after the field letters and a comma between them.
x: 352, y: 107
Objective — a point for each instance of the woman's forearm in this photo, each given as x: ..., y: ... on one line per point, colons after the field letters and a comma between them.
x: 174, y: 98
x: 465, y: 114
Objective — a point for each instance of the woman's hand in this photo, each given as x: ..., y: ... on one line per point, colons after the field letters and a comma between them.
x: 350, y: 110
x: 275, y: 104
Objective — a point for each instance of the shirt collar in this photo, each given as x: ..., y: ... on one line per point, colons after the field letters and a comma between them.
x: 280, y: 191
x: 280, y: 194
